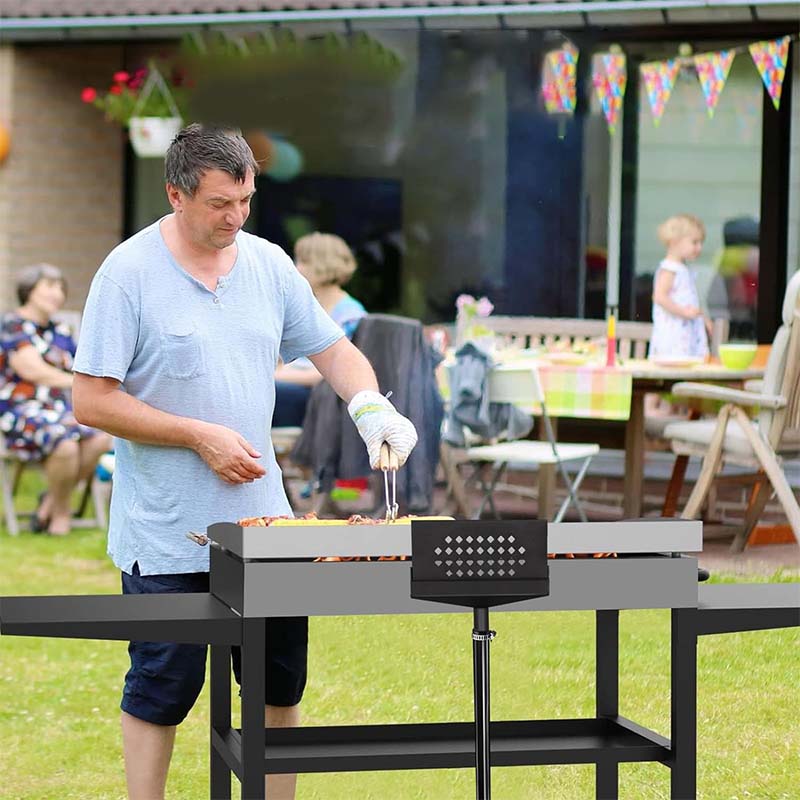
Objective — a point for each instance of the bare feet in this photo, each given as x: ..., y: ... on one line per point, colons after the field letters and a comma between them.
x: 60, y: 525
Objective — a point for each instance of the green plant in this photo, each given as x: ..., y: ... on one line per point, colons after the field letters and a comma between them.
x: 142, y: 93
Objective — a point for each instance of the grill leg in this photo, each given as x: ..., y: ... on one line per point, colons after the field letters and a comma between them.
x: 684, y: 705
x: 607, y: 695
x: 481, y: 637
x: 220, y: 783
x: 253, y: 701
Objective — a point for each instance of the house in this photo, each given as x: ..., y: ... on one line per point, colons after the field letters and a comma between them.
x: 443, y: 169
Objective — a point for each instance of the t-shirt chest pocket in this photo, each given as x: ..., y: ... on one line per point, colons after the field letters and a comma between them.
x: 182, y: 349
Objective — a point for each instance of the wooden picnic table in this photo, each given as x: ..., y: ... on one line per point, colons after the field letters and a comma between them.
x: 649, y: 377
x: 645, y: 376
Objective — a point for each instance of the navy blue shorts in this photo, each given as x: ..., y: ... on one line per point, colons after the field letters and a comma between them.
x: 165, y: 679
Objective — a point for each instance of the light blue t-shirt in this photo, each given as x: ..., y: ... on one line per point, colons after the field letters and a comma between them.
x: 210, y: 355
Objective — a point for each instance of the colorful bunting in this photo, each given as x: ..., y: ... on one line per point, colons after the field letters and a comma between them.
x: 558, y: 79
x: 770, y: 58
x: 659, y: 78
x: 610, y: 78
x: 712, y: 70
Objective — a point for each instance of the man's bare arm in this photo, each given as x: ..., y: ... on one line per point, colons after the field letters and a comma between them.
x: 346, y: 369
x: 100, y: 403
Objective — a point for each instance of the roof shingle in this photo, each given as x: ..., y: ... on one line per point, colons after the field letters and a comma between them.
x: 91, y: 8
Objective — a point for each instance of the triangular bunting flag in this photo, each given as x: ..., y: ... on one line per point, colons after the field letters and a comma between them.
x: 712, y: 70
x: 770, y: 58
x: 610, y: 78
x: 558, y: 79
x: 659, y: 78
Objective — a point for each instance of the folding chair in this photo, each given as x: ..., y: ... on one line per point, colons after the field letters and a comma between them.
x: 520, y: 385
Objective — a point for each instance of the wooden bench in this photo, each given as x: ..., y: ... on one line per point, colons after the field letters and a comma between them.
x: 633, y: 338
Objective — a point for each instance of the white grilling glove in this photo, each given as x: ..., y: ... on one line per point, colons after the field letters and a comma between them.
x: 378, y: 421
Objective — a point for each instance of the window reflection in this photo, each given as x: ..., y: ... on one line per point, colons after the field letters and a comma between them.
x: 432, y: 154
x: 710, y: 168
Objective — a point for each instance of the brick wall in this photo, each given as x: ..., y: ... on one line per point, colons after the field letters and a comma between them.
x: 61, y: 189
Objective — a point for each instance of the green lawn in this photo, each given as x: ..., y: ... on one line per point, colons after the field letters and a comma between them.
x: 59, y: 731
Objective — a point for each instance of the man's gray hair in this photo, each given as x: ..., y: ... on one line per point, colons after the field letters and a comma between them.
x: 28, y: 277
x: 199, y: 148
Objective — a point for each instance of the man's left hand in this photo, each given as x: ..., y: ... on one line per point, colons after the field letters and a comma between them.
x: 378, y: 421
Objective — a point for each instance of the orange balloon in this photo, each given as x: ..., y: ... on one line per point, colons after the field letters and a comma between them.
x: 262, y: 148
x: 5, y: 142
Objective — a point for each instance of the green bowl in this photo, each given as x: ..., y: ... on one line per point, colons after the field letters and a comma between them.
x: 737, y: 356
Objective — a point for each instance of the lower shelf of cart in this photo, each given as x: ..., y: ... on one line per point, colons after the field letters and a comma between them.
x: 449, y: 745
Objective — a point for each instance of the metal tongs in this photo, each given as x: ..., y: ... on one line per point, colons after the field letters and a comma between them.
x: 201, y: 538
x: 389, y: 462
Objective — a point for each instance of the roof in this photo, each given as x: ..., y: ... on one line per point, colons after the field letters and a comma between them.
x: 23, y: 18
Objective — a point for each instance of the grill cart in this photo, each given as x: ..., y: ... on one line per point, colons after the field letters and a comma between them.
x: 272, y: 572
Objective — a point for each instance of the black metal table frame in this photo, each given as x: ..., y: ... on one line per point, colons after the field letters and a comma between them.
x: 251, y: 752
x: 606, y: 740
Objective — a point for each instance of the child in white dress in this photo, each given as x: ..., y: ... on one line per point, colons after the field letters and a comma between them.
x: 679, y: 326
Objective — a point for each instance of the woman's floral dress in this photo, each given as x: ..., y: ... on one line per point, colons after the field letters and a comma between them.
x: 36, y: 418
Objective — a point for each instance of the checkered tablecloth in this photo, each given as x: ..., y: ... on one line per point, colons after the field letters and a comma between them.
x: 587, y: 392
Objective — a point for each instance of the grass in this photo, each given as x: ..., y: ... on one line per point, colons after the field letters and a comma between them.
x: 59, y: 719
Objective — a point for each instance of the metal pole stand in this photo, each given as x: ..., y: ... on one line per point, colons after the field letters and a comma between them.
x: 479, y: 564
x: 481, y: 638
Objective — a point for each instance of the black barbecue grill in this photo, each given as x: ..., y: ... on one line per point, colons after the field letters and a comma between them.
x: 258, y: 573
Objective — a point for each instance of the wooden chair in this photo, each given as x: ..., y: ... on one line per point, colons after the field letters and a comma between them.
x: 633, y: 338
x: 283, y: 442
x: 737, y: 439
x: 11, y: 471
x: 520, y: 386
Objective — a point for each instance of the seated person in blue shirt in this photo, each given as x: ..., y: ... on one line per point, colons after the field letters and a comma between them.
x: 327, y: 263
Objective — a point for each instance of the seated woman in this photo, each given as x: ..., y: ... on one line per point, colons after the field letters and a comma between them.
x: 327, y: 263
x: 36, y: 355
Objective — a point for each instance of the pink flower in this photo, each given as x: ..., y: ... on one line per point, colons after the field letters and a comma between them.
x: 89, y: 95
x: 121, y: 76
x: 464, y: 300
x: 484, y: 307
x: 115, y: 89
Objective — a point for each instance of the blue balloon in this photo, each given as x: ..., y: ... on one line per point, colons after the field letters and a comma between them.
x: 287, y: 161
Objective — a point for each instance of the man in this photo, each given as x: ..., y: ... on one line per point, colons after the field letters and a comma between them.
x: 182, y: 330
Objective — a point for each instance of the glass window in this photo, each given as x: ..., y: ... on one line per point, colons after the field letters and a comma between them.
x: 431, y: 152
x: 710, y: 168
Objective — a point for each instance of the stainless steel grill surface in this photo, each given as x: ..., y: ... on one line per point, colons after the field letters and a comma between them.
x: 271, y: 571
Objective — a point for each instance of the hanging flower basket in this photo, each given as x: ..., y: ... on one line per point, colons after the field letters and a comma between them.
x: 144, y: 103
x: 151, y: 136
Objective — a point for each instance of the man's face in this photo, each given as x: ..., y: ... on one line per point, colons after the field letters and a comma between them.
x: 218, y: 210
